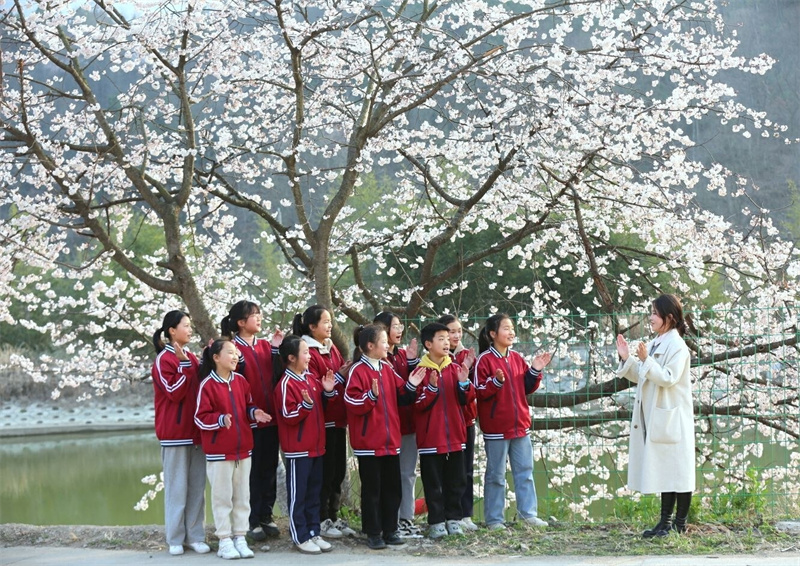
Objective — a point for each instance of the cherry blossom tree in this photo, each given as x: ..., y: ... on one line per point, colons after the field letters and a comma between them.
x: 150, y: 147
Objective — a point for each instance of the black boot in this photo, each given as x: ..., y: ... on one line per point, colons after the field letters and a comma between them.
x: 664, y: 525
x: 682, y: 512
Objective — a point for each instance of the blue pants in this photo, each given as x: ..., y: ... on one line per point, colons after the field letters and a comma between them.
x: 303, y: 484
x: 520, y: 453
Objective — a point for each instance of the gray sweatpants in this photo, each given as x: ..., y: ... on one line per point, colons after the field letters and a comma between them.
x: 408, y: 475
x: 184, y: 493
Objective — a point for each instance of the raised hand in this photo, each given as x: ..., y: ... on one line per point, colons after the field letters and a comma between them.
x: 463, y: 372
x: 262, y: 416
x: 416, y: 376
x: 277, y: 338
x: 179, y: 352
x: 470, y: 358
x: 433, y: 379
x: 622, y: 347
x: 412, y: 349
x: 541, y: 360
x: 500, y: 376
x: 307, y: 397
x: 374, y: 387
x: 345, y: 369
x: 226, y: 421
x: 328, y: 381
x: 641, y: 351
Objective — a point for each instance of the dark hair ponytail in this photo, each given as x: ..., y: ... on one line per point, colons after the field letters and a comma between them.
x: 492, y: 324
x: 669, y: 308
x: 207, y: 362
x: 301, y: 324
x: 171, y: 320
x: 364, y: 335
x: 241, y: 310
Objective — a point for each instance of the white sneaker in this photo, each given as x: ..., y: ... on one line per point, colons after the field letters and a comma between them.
x: 437, y: 531
x: 454, y: 527
x: 227, y: 550
x: 345, y: 529
x: 199, y: 547
x: 496, y: 527
x: 308, y: 547
x: 323, y: 544
x: 240, y: 544
x: 328, y: 529
x: 176, y: 549
x: 468, y: 525
x: 536, y: 522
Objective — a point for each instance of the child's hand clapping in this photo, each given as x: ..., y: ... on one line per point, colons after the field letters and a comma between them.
x: 181, y: 355
x: 469, y: 360
x: 500, y: 376
x: 277, y: 338
x: 541, y: 360
x: 416, y: 376
x: 413, y: 350
x: 374, y: 387
x: 307, y: 397
x: 226, y: 421
x: 328, y: 381
x: 262, y: 416
x: 433, y: 379
x: 463, y: 372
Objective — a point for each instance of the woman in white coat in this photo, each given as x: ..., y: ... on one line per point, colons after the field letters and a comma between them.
x: 662, y: 458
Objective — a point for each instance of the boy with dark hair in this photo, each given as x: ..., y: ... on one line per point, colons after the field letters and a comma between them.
x: 442, y: 431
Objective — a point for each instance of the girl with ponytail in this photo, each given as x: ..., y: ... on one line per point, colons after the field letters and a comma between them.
x: 315, y: 326
x: 257, y: 360
x: 175, y: 383
x: 661, y: 454
x: 404, y: 360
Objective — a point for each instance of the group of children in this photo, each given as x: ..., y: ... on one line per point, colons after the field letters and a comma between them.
x: 249, y: 397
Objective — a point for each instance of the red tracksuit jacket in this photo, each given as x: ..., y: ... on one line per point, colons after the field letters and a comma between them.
x: 215, y: 399
x: 374, y: 422
x: 471, y: 408
x: 502, y: 407
x: 336, y: 414
x: 439, y: 411
x: 255, y: 364
x: 175, y: 384
x: 403, y: 366
x: 302, y: 426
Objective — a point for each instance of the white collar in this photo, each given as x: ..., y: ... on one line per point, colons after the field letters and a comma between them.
x: 323, y: 347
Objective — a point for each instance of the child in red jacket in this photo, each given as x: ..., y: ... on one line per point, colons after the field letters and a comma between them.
x: 442, y: 431
x: 301, y: 399
x: 315, y: 326
x: 403, y: 360
x: 175, y: 382
x: 256, y: 357
x: 225, y: 410
x: 372, y: 395
x: 465, y: 356
x: 502, y: 380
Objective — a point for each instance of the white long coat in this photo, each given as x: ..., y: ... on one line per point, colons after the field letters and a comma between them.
x: 661, y: 457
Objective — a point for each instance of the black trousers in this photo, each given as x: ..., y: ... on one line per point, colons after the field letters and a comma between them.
x: 468, y: 499
x: 380, y: 494
x: 334, y: 469
x: 443, y: 480
x: 263, y: 474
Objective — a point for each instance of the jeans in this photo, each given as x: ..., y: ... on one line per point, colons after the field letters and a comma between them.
x: 520, y: 452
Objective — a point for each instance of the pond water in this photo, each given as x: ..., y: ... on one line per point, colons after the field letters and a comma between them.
x: 78, y: 479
